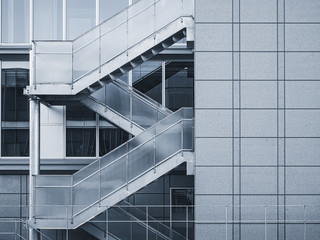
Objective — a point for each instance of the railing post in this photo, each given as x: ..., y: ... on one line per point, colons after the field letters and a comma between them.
x: 71, y: 202
x: 265, y: 222
x: 127, y: 167
x: 147, y: 223
x: 226, y: 222
x: 107, y: 224
x: 15, y: 229
x: 187, y: 223
x: 154, y: 154
x: 67, y: 230
x: 181, y: 132
x: 99, y: 182
x: 304, y: 223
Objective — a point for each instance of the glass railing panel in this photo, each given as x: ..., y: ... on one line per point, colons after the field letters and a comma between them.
x: 140, y: 160
x: 138, y: 231
x: 114, y: 42
x: 118, y: 99
x: 142, y: 137
x: 171, y: 139
x: 86, y: 59
x: 84, y: 172
x: 86, y: 38
x: 86, y: 193
x: 113, y: 155
x: 172, y: 10
x: 187, y: 134
x: 146, y: 19
x: 54, y: 180
x: 143, y: 114
x: 113, y: 176
x: 114, y: 22
x: 167, y: 122
x: 139, y: 7
x: 51, y: 202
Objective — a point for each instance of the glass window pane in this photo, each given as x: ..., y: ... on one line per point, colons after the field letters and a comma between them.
x: 47, y: 19
x: 14, y: 105
x: 15, y: 21
x: 15, y: 142
x: 80, y: 17
x: 109, y: 8
x: 81, y: 142
x: 179, y: 85
x: 110, y: 138
x: 74, y: 114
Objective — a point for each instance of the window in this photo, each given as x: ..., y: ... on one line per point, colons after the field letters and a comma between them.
x: 47, y: 19
x: 15, y: 21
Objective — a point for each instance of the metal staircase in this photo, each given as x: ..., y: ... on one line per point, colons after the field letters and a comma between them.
x: 126, y: 107
x: 84, y: 65
x: 163, y: 140
x: 68, y: 201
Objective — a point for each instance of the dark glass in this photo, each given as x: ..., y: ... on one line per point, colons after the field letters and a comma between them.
x: 14, y: 105
x: 15, y: 142
x: 182, y: 201
x: 110, y: 138
x: 81, y: 142
x: 80, y: 113
x: 179, y: 85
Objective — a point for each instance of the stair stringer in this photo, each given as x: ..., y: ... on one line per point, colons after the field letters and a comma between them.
x: 112, y: 116
x: 120, y: 194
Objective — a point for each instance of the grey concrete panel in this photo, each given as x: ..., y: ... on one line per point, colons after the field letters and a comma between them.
x: 258, y: 231
x: 217, y: 66
x: 303, y: 94
x: 218, y: 37
x: 302, y: 66
x: 213, y: 94
x: 259, y: 94
x: 302, y: 11
x: 302, y: 180
x: 258, y: 123
x: 256, y: 66
x: 302, y: 151
x: 211, y: 231
x: 258, y: 10
x: 302, y: 37
x: 213, y: 11
x: 258, y: 180
x: 259, y: 151
x: 258, y: 37
x: 254, y: 207
x: 302, y: 123
x: 9, y: 184
x: 221, y: 180
x: 213, y: 123
x: 210, y: 151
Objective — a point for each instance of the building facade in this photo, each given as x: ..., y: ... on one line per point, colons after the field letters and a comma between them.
x: 249, y: 165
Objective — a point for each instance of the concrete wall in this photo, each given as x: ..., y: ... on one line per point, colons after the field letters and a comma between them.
x: 257, y: 102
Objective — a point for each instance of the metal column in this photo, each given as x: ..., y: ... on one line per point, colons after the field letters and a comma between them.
x: 34, y: 160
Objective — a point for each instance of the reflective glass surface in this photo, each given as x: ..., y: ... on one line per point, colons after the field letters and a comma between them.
x: 15, y: 21
x: 109, y: 8
x: 80, y: 17
x: 47, y: 19
x: 81, y: 142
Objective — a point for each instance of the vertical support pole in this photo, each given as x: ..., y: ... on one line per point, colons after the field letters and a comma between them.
x: 97, y: 135
x: 304, y: 223
x: 187, y: 223
x: 226, y: 222
x: 107, y: 224
x: 265, y: 223
x: 64, y: 19
x: 34, y: 162
x: 163, y: 83
x: 147, y: 223
x: 97, y: 12
x: 31, y: 31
